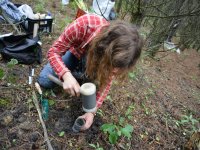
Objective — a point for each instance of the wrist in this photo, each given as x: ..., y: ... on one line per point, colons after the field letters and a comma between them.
x: 66, y: 75
x: 94, y: 113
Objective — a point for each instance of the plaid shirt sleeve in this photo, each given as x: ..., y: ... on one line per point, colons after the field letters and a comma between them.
x: 60, y: 46
x: 102, y: 95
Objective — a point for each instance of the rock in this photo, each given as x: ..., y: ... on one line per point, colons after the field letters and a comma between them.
x: 34, y: 137
x: 6, y: 118
x: 27, y: 125
x: 22, y: 118
x: 19, y: 110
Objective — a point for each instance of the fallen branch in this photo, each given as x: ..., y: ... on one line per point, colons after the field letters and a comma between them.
x: 46, y: 138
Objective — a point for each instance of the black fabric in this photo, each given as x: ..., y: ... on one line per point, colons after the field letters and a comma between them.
x: 79, y: 71
x: 21, y: 47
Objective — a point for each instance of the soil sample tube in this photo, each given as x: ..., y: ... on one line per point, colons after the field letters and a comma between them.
x: 78, y: 124
x: 88, y: 97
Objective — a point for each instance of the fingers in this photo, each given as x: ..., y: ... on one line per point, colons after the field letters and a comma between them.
x: 87, y: 125
x: 77, y: 90
x: 69, y: 90
x: 70, y: 85
x: 88, y: 120
x: 73, y: 90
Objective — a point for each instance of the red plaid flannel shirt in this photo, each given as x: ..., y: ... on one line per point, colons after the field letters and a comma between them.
x: 74, y: 38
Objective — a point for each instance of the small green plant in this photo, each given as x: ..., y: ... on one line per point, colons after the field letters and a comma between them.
x: 10, y: 73
x: 4, y: 102
x: 1, y: 73
x: 129, y: 111
x: 51, y: 102
x: 96, y: 147
x: 132, y: 75
x: 146, y: 109
x: 100, y: 112
x: 12, y: 63
x: 115, y: 131
x: 188, y: 122
x: 62, y: 133
x: 109, y: 98
x: 39, y: 7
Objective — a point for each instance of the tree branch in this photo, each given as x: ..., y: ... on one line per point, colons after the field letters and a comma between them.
x: 46, y: 138
x: 174, y: 16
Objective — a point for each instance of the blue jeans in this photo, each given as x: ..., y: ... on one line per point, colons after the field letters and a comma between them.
x: 69, y: 60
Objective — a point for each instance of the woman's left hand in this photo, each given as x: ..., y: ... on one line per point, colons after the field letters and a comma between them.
x: 89, y: 117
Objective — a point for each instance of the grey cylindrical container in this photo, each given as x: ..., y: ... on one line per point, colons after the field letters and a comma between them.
x: 78, y: 124
x: 88, y: 96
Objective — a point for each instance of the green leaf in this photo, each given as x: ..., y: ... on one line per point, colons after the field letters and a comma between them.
x: 121, y: 120
x: 132, y: 75
x: 1, y: 73
x: 119, y: 133
x: 12, y: 62
x: 132, y: 106
x: 92, y: 145
x: 194, y: 121
x: 61, y: 133
x: 100, y: 112
x: 128, y: 111
x: 109, y: 98
x: 51, y: 102
x: 108, y: 127
x: 113, y: 137
x: 184, y: 121
x: 4, y: 102
x: 130, y: 117
x: 127, y: 130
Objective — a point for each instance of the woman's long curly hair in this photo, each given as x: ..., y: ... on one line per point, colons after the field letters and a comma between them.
x: 116, y: 46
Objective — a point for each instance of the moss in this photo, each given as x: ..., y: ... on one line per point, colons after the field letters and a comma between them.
x: 12, y: 79
x: 4, y: 102
x: 1, y: 73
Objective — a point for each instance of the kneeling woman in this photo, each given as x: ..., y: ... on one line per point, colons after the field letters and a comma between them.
x: 106, y: 50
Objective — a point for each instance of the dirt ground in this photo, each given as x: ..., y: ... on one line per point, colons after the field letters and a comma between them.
x: 160, y: 98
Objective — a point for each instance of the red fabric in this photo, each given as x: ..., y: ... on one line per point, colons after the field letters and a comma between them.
x: 74, y: 38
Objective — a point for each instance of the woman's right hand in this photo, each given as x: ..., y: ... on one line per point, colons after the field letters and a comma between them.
x: 70, y: 85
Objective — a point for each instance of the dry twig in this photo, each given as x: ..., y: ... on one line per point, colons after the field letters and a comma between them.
x: 46, y: 138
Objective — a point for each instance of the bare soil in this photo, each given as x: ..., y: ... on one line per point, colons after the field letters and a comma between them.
x: 160, y: 90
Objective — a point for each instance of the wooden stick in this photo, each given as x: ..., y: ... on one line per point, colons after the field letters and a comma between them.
x: 46, y: 138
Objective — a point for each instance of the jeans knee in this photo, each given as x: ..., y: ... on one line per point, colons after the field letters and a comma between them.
x: 45, y: 82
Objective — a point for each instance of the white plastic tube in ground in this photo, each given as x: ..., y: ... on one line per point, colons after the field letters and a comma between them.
x: 88, y: 96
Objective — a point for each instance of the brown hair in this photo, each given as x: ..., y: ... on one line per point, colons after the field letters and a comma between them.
x: 116, y: 46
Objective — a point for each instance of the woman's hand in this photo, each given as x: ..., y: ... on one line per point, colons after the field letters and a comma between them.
x: 70, y: 85
x: 89, y: 117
